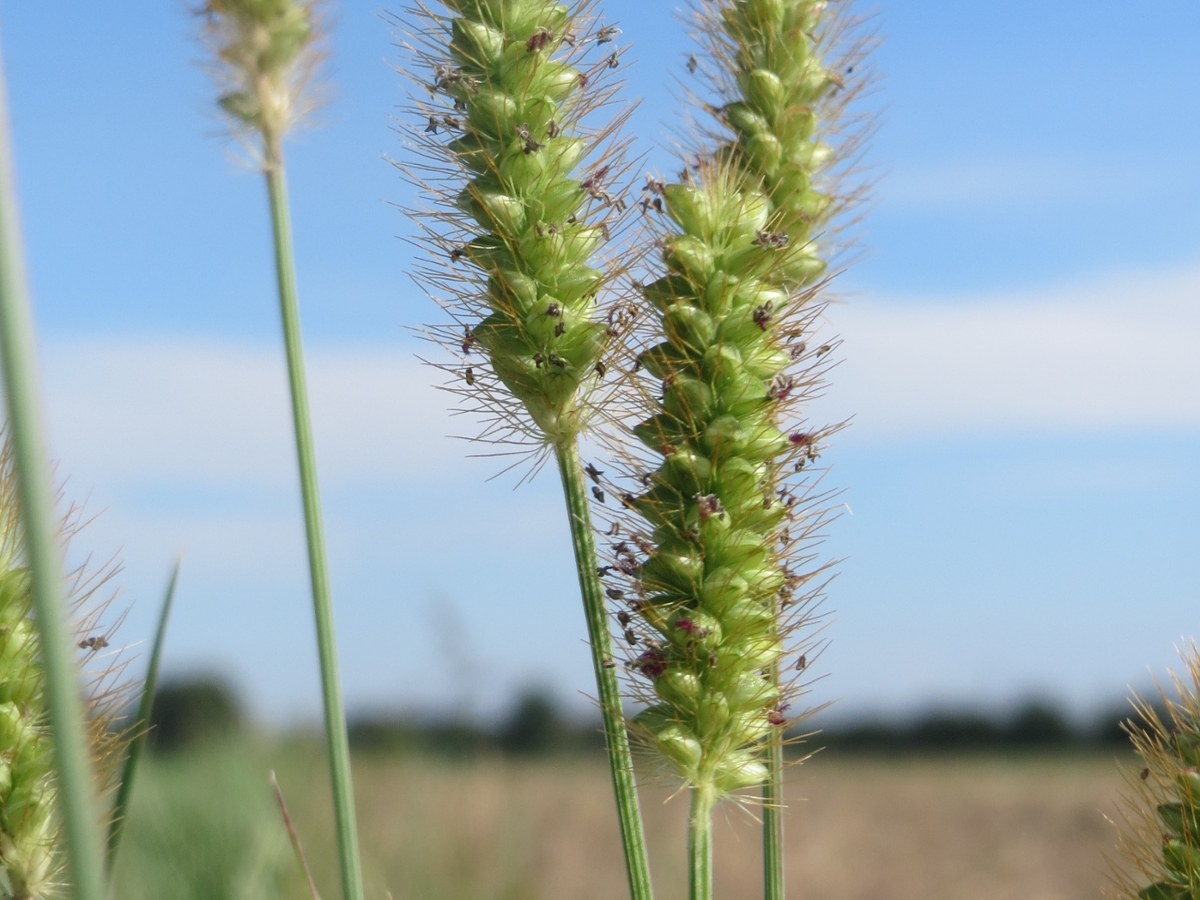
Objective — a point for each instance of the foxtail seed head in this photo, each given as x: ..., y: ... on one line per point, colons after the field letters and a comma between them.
x: 265, y: 59
x: 1161, y: 833
x: 29, y: 829
x: 720, y: 557
x: 521, y: 182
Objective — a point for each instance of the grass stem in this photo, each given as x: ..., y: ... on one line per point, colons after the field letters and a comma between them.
x: 81, y: 825
x: 633, y: 836
x: 116, y: 825
x: 335, y: 718
x: 772, y: 793
x: 700, y: 845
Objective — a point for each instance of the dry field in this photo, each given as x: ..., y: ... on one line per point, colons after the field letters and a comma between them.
x: 858, y: 829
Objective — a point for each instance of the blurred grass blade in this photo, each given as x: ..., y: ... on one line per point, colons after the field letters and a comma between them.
x: 81, y: 826
x: 116, y: 827
x: 294, y: 838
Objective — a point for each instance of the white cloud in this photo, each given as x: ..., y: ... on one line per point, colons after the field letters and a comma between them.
x: 1116, y: 355
x: 205, y: 412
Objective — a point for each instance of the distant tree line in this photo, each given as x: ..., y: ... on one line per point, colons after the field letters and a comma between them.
x: 188, y: 712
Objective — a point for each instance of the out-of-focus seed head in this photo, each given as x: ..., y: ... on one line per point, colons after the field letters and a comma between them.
x: 1160, y: 831
x: 265, y: 59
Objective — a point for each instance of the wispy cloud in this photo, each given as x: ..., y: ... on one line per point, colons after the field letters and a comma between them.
x: 1111, y: 355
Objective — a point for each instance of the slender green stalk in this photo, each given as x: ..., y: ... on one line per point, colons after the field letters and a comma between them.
x: 116, y: 825
x: 265, y: 49
x: 44, y: 554
x: 335, y: 716
x: 773, y: 874
x: 633, y: 835
x: 521, y: 216
x: 700, y: 849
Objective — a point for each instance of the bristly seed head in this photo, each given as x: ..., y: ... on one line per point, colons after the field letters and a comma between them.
x: 266, y: 57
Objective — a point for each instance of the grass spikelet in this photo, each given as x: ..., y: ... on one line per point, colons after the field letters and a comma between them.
x: 1161, y: 828
x: 519, y: 161
x: 719, y: 554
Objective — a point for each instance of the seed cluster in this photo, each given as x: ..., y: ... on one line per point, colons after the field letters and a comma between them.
x: 506, y: 110
x: 742, y: 268
x: 264, y: 51
x: 27, y: 795
x: 1162, y: 833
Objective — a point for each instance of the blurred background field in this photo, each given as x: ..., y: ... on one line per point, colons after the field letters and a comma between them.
x: 492, y: 827
x: 950, y: 805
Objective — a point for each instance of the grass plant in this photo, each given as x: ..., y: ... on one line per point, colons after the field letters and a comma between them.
x: 720, y: 554
x: 1161, y: 834
x: 141, y: 724
x: 519, y: 165
x: 267, y: 53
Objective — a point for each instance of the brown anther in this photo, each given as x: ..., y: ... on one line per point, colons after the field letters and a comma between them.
x: 456, y: 254
x: 709, y: 507
x: 762, y: 316
x: 598, y: 494
x: 1145, y: 774
x: 601, y: 369
x: 802, y: 663
x: 776, y: 718
x: 432, y: 127
x: 557, y: 361
x: 554, y: 310
x: 614, y: 594
x: 775, y: 240
x: 593, y: 473
x: 692, y: 64
x: 781, y: 388
x: 624, y: 618
x: 468, y: 341
x: 608, y: 664
x: 531, y: 146
x: 606, y: 34
x: 539, y: 360
x: 451, y: 122
x: 603, y: 571
x: 98, y: 642
x: 552, y: 132
x: 630, y: 638
x: 538, y: 40
x: 469, y: 376
x: 798, y: 350
x: 614, y: 61
x: 823, y: 349
x: 614, y: 529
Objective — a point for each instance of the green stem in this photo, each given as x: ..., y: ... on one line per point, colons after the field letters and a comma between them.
x: 335, y: 717
x: 700, y: 846
x: 595, y: 608
x: 81, y: 825
x: 773, y: 817
x: 116, y: 825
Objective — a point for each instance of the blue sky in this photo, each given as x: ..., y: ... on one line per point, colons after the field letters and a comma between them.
x: 1020, y: 480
